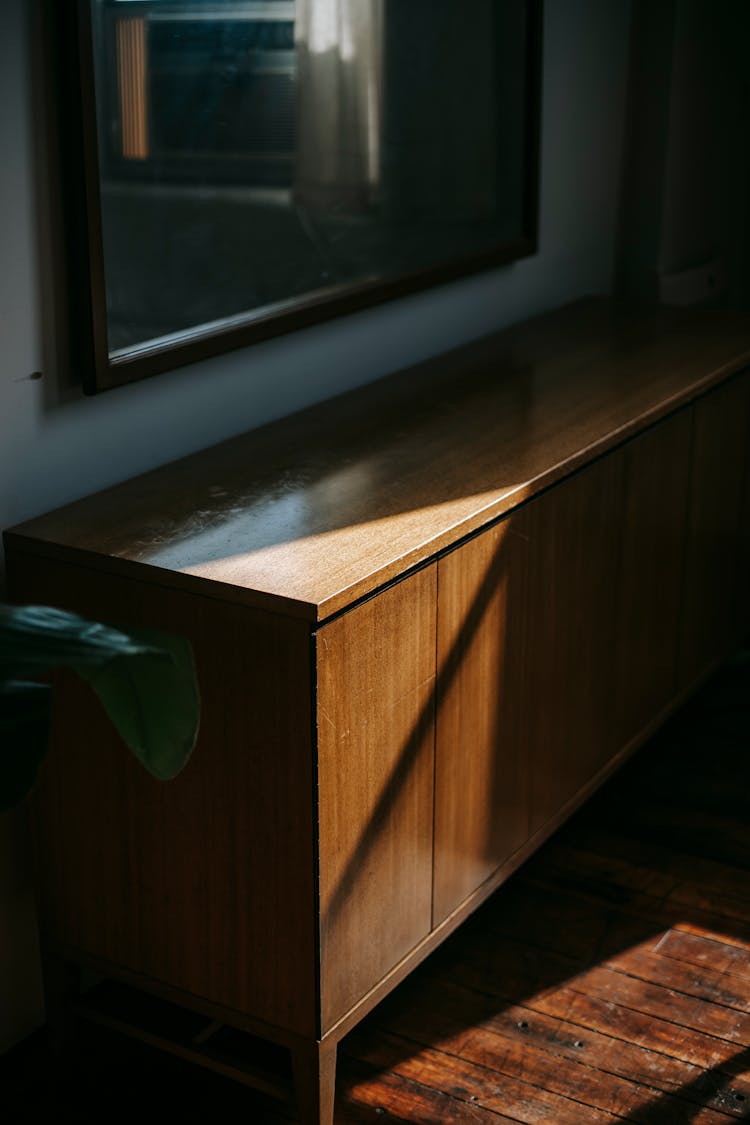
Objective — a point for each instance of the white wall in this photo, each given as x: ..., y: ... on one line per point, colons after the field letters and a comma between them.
x: 705, y: 208
x: 53, y: 451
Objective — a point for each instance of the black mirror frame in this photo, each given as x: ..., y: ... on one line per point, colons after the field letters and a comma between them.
x: 68, y: 26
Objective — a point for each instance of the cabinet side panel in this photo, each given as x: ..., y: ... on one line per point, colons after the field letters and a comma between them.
x: 711, y: 595
x: 204, y: 883
x: 744, y: 563
x: 376, y: 684
x: 657, y: 482
x: 574, y: 553
x: 481, y: 767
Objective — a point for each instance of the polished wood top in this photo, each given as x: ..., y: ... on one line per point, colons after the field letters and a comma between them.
x: 312, y: 512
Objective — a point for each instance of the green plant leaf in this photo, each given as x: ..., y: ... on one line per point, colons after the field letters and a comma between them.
x: 24, y: 729
x: 151, y: 696
x: 36, y: 639
x: 145, y: 680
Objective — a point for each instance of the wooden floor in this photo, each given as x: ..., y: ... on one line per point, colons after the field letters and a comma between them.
x: 609, y: 980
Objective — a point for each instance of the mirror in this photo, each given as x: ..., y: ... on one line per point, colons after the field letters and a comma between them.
x: 252, y: 166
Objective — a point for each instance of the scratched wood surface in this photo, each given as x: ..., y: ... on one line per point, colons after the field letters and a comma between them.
x: 574, y: 533
x: 481, y: 809
x: 375, y: 787
x: 608, y: 981
x: 316, y: 510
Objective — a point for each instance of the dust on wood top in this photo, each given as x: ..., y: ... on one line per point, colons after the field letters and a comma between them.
x: 312, y: 512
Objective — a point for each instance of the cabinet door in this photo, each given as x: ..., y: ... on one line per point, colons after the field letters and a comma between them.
x: 711, y: 594
x: 376, y: 704
x: 657, y: 481
x: 481, y: 771
x: 568, y: 728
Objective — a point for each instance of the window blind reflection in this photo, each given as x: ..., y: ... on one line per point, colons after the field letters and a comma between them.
x: 257, y: 154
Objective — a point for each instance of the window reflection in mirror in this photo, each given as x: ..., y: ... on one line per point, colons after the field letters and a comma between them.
x: 257, y: 154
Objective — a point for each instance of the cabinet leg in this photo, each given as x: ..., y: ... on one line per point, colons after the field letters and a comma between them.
x: 314, y: 1066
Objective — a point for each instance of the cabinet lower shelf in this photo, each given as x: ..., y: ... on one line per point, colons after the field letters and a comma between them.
x: 181, y: 1032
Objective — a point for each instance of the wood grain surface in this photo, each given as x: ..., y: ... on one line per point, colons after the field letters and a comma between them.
x: 364, y: 780
x: 314, y: 1069
x: 568, y: 700
x: 711, y: 597
x: 649, y: 601
x: 482, y: 765
x: 205, y: 883
x: 376, y: 735
x: 608, y: 981
x: 314, y: 511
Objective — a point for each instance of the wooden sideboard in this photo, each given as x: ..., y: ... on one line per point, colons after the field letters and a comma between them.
x: 429, y: 617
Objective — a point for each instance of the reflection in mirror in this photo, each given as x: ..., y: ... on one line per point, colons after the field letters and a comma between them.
x: 257, y: 157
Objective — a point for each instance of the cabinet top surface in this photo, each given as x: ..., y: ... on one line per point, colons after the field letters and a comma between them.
x: 310, y: 513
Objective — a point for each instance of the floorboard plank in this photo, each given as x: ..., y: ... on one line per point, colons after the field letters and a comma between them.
x: 603, y: 1000
x: 625, y: 883
x: 665, y: 1003
x: 646, y: 1030
x: 698, y: 950
x: 607, y: 981
x: 385, y: 1096
x: 521, y: 1100
x: 584, y: 928
x: 703, y: 983
x: 720, y: 878
x: 515, y: 1038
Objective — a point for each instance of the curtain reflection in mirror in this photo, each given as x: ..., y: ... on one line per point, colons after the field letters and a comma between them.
x: 340, y: 83
x: 257, y: 153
